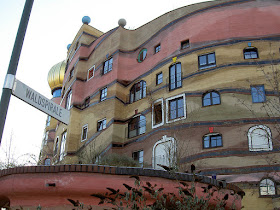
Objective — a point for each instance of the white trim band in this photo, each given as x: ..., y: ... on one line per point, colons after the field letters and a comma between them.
x: 9, y: 81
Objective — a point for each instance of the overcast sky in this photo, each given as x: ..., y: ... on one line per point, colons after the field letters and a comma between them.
x: 53, y: 25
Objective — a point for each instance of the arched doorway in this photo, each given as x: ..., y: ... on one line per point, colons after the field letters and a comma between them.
x: 164, y: 152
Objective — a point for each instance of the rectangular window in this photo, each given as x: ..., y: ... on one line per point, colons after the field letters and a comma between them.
x: 250, y: 53
x: 101, y: 124
x: 258, y: 93
x: 157, y: 113
x: 212, y: 141
x: 157, y: 48
x: 68, y: 100
x: 138, y: 156
x: 46, y: 138
x: 103, y: 94
x: 207, y: 61
x: 91, y: 73
x: 175, y: 76
x: 176, y: 108
x: 185, y: 44
x: 62, y: 153
x: 108, y: 66
x: 159, y: 78
x: 84, y: 132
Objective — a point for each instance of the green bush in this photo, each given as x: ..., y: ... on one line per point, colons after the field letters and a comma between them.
x: 118, y: 160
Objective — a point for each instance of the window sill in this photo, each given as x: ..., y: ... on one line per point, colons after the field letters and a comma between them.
x: 206, y: 67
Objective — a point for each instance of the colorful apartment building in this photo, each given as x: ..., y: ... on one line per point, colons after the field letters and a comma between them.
x: 197, y: 85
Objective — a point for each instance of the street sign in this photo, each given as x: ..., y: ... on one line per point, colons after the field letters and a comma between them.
x: 35, y: 99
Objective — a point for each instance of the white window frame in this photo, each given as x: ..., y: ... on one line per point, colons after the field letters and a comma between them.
x: 68, y: 100
x: 54, y: 145
x: 162, y: 111
x: 167, y: 108
x: 103, y: 128
x: 62, y: 152
x: 267, y: 130
x: 84, y: 126
x: 91, y: 68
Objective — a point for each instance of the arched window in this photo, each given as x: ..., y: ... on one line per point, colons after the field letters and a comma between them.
x: 175, y: 76
x: 259, y: 138
x: 211, y: 98
x: 267, y: 187
x: 250, y: 53
x: 47, y: 162
x: 138, y: 91
x: 212, y: 140
x: 137, y: 126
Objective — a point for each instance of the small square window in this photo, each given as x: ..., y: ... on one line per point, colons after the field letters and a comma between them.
x: 157, y: 48
x: 139, y: 157
x: 90, y: 73
x: 108, y: 66
x: 212, y: 141
x: 185, y: 44
x: 207, y: 61
x: 159, y: 78
x: 84, y: 132
x: 103, y: 94
x: 101, y: 125
x: 258, y: 93
x: 250, y: 53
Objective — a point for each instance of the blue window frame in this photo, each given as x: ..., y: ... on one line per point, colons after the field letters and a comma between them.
x: 258, y: 93
x: 211, y: 98
x: 212, y: 141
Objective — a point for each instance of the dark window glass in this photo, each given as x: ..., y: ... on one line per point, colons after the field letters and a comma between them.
x: 142, y: 55
x: 90, y: 73
x: 138, y: 156
x: 159, y: 78
x: 185, y: 44
x: 175, y: 76
x: 137, y: 126
x: 138, y: 91
x: 157, y: 48
x: 258, y: 93
x: 250, y: 53
x: 108, y: 66
x: 103, y: 94
x: 71, y: 73
x: 157, y: 113
x: 211, y: 141
x: 84, y: 134
x: 101, y: 125
x: 176, y: 108
x: 68, y: 100
x: 211, y: 98
x: 207, y: 60
x: 56, y: 147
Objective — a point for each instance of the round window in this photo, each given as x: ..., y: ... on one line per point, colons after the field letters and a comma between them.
x: 142, y: 55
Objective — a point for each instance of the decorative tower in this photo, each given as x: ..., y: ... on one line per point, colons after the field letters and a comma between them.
x: 49, y: 143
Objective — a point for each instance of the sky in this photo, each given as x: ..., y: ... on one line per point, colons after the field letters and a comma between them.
x: 53, y: 25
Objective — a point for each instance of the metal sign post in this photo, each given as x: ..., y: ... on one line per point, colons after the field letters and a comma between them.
x: 6, y: 93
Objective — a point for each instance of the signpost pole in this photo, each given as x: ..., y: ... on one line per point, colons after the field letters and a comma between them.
x: 10, y: 77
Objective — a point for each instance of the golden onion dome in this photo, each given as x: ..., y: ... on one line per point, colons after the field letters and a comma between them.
x: 56, y: 75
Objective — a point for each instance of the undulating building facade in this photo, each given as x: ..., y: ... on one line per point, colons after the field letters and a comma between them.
x: 198, y: 85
